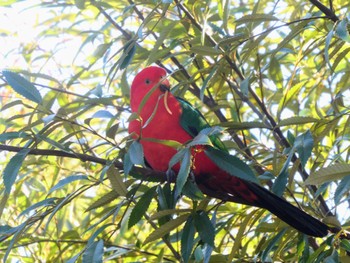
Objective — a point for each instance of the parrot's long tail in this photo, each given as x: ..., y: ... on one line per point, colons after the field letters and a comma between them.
x: 288, y: 213
x: 230, y: 188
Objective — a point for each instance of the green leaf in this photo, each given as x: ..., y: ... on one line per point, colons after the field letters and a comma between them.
x: 297, y: 120
x: 141, y: 206
x: 256, y: 18
x: 127, y: 164
x: 128, y: 54
x: 12, y: 168
x: 22, y: 86
x: 275, y: 72
x: 192, y: 191
x: 271, y: 244
x: 206, y: 81
x: 200, y: 139
x: 327, y: 44
x: 116, y: 181
x: 166, y: 228
x: 204, y: 228
x: 303, y: 145
x: 66, y: 181
x: 232, y: 39
x: 330, y: 173
x: 281, y: 181
x: 12, y: 135
x: 104, y: 200
x: 244, y: 86
x: 102, y: 114
x: 155, y: 51
x: 183, y: 172
x: 80, y: 4
x: 342, y: 188
x: 187, y: 239
x: 245, y: 125
x: 136, y: 153
x: 94, y: 252
x: 205, y: 50
x: 46, y: 202
x: 231, y: 164
x: 19, y: 230
x: 342, y: 30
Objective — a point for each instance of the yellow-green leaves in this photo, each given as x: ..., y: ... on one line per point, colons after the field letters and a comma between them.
x: 330, y: 173
x: 116, y: 181
x: 166, y: 228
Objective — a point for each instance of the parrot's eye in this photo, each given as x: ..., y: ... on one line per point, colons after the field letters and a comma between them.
x: 147, y: 81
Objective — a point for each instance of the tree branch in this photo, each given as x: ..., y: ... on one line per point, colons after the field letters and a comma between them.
x: 324, y: 9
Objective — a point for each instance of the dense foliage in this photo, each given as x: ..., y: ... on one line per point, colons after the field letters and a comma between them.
x: 274, y: 74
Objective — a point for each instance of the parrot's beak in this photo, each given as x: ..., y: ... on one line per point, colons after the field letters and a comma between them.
x: 164, y: 87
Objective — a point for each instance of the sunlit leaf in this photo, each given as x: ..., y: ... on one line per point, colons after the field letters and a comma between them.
x: 46, y: 202
x: 103, y: 200
x: 330, y: 173
x: 22, y: 86
x: 256, y: 18
x: 166, y: 228
x: 116, y: 181
x: 12, y: 168
x: 66, y: 181
x: 297, y: 120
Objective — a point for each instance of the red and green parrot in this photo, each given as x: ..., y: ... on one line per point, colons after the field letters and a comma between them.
x: 164, y: 117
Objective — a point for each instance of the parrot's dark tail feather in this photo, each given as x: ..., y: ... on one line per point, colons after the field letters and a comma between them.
x: 288, y: 213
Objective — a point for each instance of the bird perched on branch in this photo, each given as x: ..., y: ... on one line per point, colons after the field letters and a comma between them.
x: 163, y: 118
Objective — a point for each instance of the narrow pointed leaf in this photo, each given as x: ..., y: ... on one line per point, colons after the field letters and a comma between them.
x: 66, y: 181
x: 43, y: 203
x: 166, y: 228
x: 12, y: 169
x: 231, y: 164
x: 116, y: 181
x: 304, y: 144
x: 204, y: 228
x: 94, y: 253
x: 22, y: 86
x: 330, y: 173
x: 187, y: 239
x: 141, y: 206
x: 136, y: 153
x: 342, y: 188
x: 184, y: 171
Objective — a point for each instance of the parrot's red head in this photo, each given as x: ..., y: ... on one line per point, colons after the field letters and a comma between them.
x: 144, y: 81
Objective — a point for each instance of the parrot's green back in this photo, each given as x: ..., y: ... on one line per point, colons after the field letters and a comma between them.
x: 193, y: 122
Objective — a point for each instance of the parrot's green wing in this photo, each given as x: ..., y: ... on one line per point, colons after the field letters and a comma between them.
x: 193, y: 122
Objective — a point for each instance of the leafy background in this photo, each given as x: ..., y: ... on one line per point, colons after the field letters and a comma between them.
x: 274, y: 74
